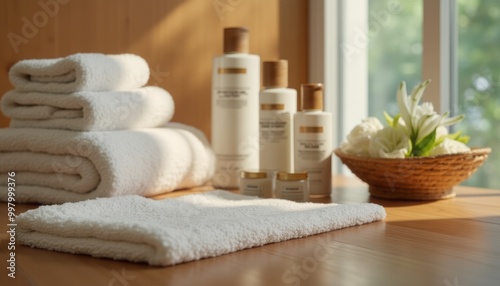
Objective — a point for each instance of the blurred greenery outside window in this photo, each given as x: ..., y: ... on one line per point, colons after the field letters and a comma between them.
x: 395, y: 54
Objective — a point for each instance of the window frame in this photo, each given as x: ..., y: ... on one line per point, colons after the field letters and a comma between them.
x: 439, y: 57
x: 332, y: 24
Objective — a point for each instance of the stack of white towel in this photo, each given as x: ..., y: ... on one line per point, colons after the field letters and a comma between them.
x: 85, y: 126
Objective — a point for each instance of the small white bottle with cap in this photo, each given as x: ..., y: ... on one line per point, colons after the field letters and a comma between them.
x: 256, y: 183
x: 235, y: 109
x: 313, y: 144
x: 292, y: 186
x: 277, y: 105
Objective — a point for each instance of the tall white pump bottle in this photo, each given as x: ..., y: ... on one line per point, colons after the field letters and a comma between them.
x: 278, y: 104
x: 313, y: 144
x: 235, y: 109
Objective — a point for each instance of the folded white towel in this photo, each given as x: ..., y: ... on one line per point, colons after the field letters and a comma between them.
x: 90, y: 110
x: 183, y: 229
x: 57, y: 166
x: 91, y: 72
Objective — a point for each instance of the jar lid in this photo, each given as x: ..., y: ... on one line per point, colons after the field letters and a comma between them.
x: 285, y: 176
x: 253, y: 174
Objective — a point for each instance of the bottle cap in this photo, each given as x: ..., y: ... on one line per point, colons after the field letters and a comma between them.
x: 253, y: 174
x: 275, y: 73
x: 236, y: 40
x: 311, y: 96
x: 285, y: 176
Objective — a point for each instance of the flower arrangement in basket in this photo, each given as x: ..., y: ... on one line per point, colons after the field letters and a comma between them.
x: 413, y: 157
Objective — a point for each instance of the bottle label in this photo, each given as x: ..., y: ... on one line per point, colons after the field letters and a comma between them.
x: 231, y: 98
x: 293, y: 193
x: 252, y: 190
x: 312, y: 150
x: 268, y: 106
x: 273, y: 128
x: 231, y: 70
x: 311, y: 129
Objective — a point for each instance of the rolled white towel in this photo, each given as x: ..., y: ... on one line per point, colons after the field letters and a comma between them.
x: 57, y: 166
x: 87, y: 110
x: 88, y: 71
x: 192, y: 227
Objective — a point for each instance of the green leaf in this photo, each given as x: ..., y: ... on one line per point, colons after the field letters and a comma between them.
x: 464, y: 139
x: 410, y: 150
x: 424, y: 147
x: 396, y: 120
x: 455, y: 135
x: 439, y: 141
x: 388, y: 118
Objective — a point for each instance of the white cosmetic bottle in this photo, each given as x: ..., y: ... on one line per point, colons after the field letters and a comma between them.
x: 313, y: 144
x: 235, y: 109
x: 278, y: 104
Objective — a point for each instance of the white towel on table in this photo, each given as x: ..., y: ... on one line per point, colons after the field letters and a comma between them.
x: 91, y: 72
x: 172, y: 231
x: 89, y: 110
x: 57, y: 166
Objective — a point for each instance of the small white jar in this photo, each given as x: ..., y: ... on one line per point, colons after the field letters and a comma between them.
x: 256, y: 183
x: 292, y: 186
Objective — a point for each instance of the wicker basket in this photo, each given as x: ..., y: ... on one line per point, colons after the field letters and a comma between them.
x: 418, y: 178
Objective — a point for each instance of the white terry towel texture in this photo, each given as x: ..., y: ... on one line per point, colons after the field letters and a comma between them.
x: 187, y: 228
x: 57, y: 166
x: 88, y: 71
x: 145, y: 107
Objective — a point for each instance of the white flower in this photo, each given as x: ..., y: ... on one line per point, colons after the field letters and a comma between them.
x: 421, y: 121
x: 358, y: 140
x: 418, y: 130
x: 426, y: 120
x: 449, y: 146
x: 390, y: 143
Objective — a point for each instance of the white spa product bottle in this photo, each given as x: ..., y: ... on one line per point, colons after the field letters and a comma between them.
x: 277, y: 106
x: 235, y: 109
x: 313, y: 144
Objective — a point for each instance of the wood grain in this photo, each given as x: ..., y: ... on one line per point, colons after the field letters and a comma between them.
x: 178, y: 38
x: 419, y: 243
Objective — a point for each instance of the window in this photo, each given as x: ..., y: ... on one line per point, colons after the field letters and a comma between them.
x: 478, y: 85
x: 394, y: 52
x: 453, y: 42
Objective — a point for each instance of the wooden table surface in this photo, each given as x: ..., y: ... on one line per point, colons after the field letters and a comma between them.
x: 451, y: 242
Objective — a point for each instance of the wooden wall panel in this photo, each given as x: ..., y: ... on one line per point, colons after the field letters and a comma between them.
x: 178, y: 38
x: 293, y: 39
